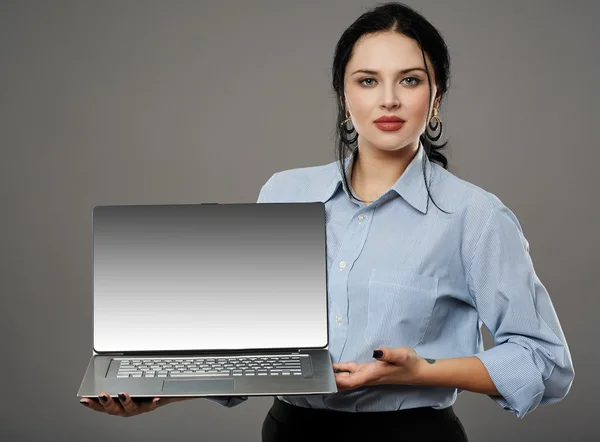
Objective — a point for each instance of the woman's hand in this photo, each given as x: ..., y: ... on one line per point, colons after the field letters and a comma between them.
x: 398, y: 365
x: 126, y: 406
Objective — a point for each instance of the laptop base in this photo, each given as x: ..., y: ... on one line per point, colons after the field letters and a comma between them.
x: 320, y: 379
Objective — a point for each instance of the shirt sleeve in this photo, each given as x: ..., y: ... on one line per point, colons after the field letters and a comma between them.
x: 228, y: 401
x: 266, y: 190
x: 530, y: 363
x: 232, y: 401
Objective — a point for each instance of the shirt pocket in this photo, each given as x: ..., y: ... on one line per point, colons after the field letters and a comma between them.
x: 399, y: 308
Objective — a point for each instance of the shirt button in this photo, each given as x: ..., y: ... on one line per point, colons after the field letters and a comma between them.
x: 342, y: 265
x: 339, y: 319
x: 361, y: 218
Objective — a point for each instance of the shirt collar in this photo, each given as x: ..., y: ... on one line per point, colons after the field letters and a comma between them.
x: 410, y: 186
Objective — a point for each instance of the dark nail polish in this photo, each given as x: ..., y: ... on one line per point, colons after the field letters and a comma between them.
x: 84, y: 403
x: 122, y: 397
x: 157, y: 402
x: 377, y: 353
x: 103, y: 399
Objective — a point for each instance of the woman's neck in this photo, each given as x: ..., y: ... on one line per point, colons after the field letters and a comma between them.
x: 373, y: 174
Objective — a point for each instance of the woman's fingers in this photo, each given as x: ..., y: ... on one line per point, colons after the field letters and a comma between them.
x: 110, y: 405
x: 345, y: 366
x: 124, y: 405
x: 92, y: 404
x: 137, y: 406
x: 130, y: 407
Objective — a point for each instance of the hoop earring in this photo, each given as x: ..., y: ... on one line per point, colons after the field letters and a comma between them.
x: 434, y: 127
x: 345, y: 127
x: 345, y: 132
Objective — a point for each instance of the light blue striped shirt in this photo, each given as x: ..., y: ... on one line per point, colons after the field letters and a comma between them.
x: 403, y: 273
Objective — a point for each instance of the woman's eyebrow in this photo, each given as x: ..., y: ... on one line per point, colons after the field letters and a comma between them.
x: 372, y: 72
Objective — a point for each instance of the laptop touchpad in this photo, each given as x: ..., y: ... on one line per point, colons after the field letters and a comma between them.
x: 198, y: 385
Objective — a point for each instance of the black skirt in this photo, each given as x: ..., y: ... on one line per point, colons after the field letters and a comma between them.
x: 289, y: 423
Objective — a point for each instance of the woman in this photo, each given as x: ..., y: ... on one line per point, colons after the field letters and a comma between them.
x: 409, y: 281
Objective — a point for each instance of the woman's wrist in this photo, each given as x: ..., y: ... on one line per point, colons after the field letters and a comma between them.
x: 465, y: 373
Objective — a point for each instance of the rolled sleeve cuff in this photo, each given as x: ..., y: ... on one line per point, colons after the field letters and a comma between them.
x: 522, y: 389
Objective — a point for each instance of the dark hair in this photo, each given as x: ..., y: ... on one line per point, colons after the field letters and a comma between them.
x: 392, y: 17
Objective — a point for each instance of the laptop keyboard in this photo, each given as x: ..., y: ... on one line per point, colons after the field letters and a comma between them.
x: 198, y: 367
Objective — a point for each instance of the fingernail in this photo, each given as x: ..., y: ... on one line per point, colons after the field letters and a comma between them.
x: 84, y: 403
x: 377, y: 353
x: 122, y: 397
x: 103, y: 399
x: 157, y: 402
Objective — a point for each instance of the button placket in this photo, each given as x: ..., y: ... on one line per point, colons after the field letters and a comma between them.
x: 346, y: 256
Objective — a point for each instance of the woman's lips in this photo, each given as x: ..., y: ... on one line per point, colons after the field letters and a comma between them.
x: 389, y: 125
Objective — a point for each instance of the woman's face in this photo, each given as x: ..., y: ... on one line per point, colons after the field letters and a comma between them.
x: 390, y: 89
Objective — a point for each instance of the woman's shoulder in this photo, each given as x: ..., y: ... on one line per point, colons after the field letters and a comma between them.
x: 309, y: 183
x: 473, y: 203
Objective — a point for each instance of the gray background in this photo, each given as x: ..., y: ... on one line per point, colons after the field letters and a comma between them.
x: 119, y: 102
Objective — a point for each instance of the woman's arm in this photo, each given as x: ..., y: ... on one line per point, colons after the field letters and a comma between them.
x: 530, y: 363
x: 467, y: 373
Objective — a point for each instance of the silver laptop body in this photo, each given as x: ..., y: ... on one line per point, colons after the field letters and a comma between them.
x: 209, y: 300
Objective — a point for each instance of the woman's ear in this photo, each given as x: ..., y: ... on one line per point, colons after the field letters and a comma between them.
x: 436, y: 102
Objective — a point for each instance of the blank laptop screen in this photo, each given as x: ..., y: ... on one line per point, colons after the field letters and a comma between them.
x: 209, y: 277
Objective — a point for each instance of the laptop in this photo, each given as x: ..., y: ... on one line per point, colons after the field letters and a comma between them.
x: 209, y: 299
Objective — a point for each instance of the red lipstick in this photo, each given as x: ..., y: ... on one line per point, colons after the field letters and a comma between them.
x: 389, y: 122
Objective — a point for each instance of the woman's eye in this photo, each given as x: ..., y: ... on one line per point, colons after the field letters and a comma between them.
x: 411, y: 81
x: 414, y: 81
x: 366, y: 79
